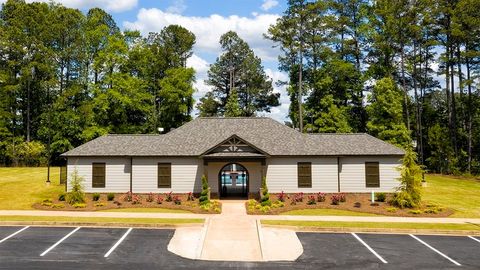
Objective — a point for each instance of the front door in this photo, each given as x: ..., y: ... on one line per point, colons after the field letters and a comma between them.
x: 233, y: 181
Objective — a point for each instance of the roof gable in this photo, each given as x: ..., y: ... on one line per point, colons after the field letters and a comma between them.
x: 235, y: 144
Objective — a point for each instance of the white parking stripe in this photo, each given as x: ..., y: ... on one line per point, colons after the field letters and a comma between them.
x: 59, y: 241
x: 15, y: 233
x: 369, y: 248
x: 473, y: 238
x: 118, y: 243
x: 434, y: 249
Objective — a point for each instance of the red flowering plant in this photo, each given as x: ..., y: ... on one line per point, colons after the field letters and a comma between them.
x: 127, y: 197
x: 335, y: 199
x: 343, y: 197
x: 190, y: 197
x: 320, y: 197
x: 311, y: 200
x: 136, y: 199
x: 150, y: 197
x: 297, y: 197
x: 177, y: 200
x: 159, y: 199
x: 168, y: 197
x: 281, y: 196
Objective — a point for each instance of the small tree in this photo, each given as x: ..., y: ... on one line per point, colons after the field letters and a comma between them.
x: 409, y: 192
x: 205, y: 194
x: 76, y: 194
x: 265, y: 197
x: 232, y: 108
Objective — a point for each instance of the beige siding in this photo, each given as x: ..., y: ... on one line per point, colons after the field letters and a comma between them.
x: 254, y: 174
x: 282, y: 175
x: 117, y: 173
x: 352, y: 176
x: 186, y: 174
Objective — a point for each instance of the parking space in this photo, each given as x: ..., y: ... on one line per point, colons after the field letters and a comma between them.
x: 124, y: 248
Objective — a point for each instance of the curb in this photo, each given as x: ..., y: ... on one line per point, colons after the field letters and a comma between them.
x: 201, y: 241
x: 375, y: 230
x: 260, y: 238
x: 99, y: 224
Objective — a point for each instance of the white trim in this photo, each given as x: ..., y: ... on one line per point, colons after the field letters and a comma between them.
x: 473, y: 238
x: 434, y: 249
x: 59, y: 241
x: 118, y: 243
x: 369, y: 248
x: 13, y: 234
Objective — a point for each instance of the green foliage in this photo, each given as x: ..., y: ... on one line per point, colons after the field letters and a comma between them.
x: 408, y: 194
x: 442, y: 157
x: 232, y: 108
x: 79, y: 205
x: 95, y: 196
x: 204, y: 195
x: 58, y: 205
x: 61, y: 197
x: 386, y: 114
x: 265, y: 196
x: 76, y: 194
x: 380, y: 197
x: 110, y: 196
x: 331, y: 118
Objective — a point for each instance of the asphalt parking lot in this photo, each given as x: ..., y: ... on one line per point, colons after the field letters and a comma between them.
x: 125, y: 248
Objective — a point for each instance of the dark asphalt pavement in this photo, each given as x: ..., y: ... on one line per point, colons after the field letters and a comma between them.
x: 147, y: 249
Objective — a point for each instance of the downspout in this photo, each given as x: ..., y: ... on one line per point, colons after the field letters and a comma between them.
x: 131, y: 173
x: 338, y: 174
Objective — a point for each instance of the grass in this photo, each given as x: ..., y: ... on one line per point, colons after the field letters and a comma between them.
x: 162, y: 221
x: 460, y: 194
x: 21, y: 187
x: 148, y: 210
x: 375, y: 225
x: 325, y: 212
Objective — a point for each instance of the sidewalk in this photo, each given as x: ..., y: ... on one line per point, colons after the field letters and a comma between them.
x: 229, y: 210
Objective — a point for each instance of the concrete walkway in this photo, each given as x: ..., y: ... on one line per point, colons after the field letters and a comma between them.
x: 228, y: 206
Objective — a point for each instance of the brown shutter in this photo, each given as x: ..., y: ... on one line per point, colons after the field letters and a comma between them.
x: 98, y: 175
x: 372, y: 174
x: 164, y: 175
x: 304, y: 171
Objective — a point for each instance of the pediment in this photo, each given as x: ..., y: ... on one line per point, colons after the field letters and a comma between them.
x: 235, y: 144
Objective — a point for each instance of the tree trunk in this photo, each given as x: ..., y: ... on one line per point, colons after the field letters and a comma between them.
x: 404, y: 85
x: 470, y: 113
x: 454, y: 110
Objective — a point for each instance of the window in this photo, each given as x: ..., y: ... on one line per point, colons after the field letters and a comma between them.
x: 98, y: 175
x: 164, y: 175
x: 304, y: 170
x: 372, y: 174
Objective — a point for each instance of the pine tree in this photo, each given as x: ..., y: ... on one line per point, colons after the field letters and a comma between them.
x: 232, y: 109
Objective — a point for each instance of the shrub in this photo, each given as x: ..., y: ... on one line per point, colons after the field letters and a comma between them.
x: 58, y: 205
x: 277, y: 204
x: 381, y: 197
x: 311, y: 200
x: 402, y: 200
x: 342, y: 197
x: 95, y: 197
x: 150, y: 197
x: 265, y: 209
x: 391, y: 209
x: 136, y: 199
x: 47, y: 202
x: 281, y: 196
x: 61, y: 197
x: 252, y: 202
x: 168, y: 196
x: 357, y: 205
x: 320, y: 197
x: 431, y: 211
x: 127, y: 197
x: 79, y: 205
x: 110, y: 196
x: 297, y: 197
x: 408, y: 194
x: 335, y: 199
x: 76, y: 194
x: 205, y: 194
x: 415, y: 212
x: 265, y: 197
x: 99, y: 204
x: 177, y: 200
x: 190, y: 197
x: 159, y: 199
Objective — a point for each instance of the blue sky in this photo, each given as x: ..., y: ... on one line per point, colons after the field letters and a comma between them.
x: 208, y: 20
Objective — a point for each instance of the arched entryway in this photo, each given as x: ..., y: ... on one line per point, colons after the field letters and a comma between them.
x: 233, y: 181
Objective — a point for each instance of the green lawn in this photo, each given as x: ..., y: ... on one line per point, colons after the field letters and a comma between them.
x: 374, y: 225
x: 132, y: 221
x: 460, y: 194
x: 148, y: 210
x: 325, y: 212
x: 21, y: 187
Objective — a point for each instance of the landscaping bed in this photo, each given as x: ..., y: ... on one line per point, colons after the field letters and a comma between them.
x: 103, y: 201
x: 357, y: 202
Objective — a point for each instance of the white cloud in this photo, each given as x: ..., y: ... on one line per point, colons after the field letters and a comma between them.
x: 268, y: 4
x: 108, y: 5
x: 177, y: 8
x: 209, y: 29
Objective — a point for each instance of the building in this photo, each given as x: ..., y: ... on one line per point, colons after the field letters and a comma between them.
x: 235, y: 154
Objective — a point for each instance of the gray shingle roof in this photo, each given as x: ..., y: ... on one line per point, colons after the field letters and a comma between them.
x: 198, y: 136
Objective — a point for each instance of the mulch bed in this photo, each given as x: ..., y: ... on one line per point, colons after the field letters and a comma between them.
x: 119, y: 202
x: 357, y: 202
